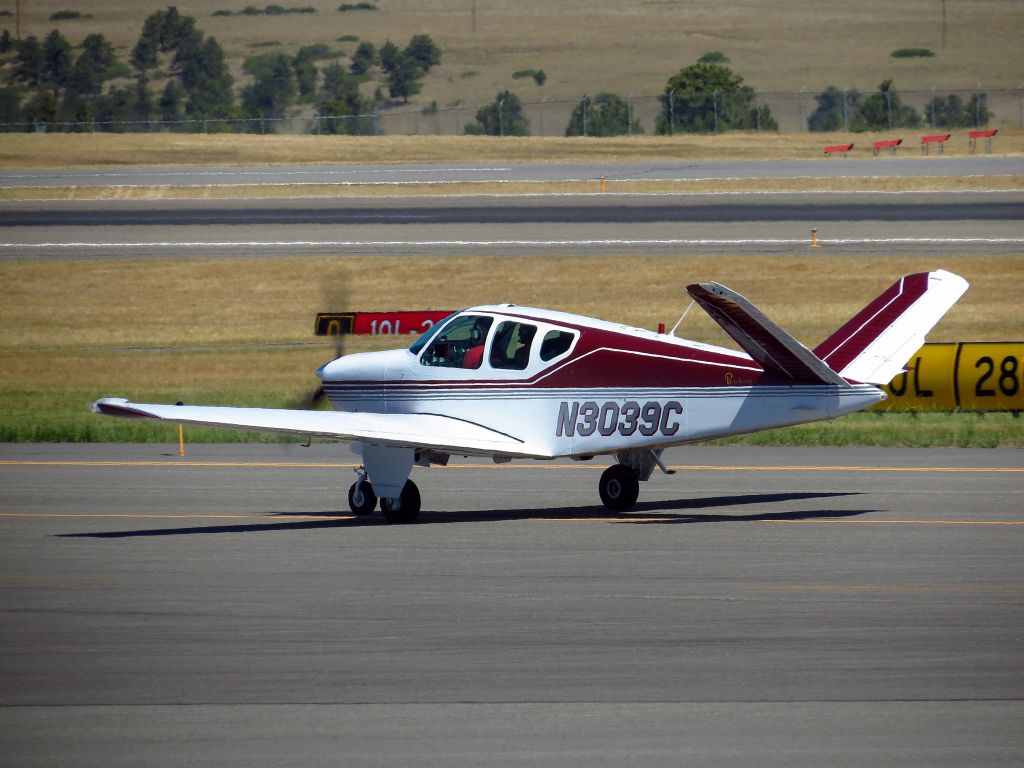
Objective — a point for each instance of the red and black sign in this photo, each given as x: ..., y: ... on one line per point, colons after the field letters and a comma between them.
x: 377, y: 323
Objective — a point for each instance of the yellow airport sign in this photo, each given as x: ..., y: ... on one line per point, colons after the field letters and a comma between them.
x: 960, y: 376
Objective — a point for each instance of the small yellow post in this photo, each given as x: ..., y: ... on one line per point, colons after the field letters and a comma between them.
x: 603, y: 185
x: 181, y: 439
x: 814, y: 239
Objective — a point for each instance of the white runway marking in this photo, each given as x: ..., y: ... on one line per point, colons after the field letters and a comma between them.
x: 530, y: 243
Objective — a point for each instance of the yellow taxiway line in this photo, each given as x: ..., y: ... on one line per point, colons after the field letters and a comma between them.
x: 170, y: 462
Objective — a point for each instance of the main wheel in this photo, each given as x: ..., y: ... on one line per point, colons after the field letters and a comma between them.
x: 619, y: 488
x: 405, y: 508
x: 361, y: 498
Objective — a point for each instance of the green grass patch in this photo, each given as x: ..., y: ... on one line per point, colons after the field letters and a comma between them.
x: 900, y: 430
x: 912, y: 53
x: 36, y: 417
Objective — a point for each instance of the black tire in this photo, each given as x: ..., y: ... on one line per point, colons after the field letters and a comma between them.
x: 404, y: 509
x: 361, y: 499
x: 619, y: 488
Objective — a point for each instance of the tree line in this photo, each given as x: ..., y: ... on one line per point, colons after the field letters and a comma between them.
x: 708, y: 97
x: 177, y: 74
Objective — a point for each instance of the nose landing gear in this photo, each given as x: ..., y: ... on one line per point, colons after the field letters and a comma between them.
x: 361, y: 498
x: 403, y: 509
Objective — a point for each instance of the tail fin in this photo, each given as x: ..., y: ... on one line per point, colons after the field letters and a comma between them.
x: 874, y: 346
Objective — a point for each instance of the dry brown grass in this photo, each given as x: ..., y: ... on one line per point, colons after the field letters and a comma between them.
x: 187, y: 302
x: 20, y: 151
x: 292, y: 191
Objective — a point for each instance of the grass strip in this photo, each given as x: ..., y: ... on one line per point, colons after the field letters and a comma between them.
x: 95, y: 150
x: 494, y: 188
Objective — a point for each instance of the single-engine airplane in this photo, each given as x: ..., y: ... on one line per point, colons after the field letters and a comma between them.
x: 511, y: 382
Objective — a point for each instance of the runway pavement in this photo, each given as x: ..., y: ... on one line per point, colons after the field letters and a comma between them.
x: 443, y: 173
x: 950, y: 223
x: 797, y: 607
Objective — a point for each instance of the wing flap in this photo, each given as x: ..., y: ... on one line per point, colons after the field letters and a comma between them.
x: 771, y: 347
x: 417, y: 430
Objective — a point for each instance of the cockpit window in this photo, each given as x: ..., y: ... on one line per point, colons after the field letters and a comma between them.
x: 510, y: 349
x: 555, y: 343
x: 460, y: 344
x: 428, y: 334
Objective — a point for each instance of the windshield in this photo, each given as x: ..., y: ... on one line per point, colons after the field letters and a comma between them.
x: 460, y: 344
x: 428, y: 334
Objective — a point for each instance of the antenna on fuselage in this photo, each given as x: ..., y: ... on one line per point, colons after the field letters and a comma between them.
x: 681, y: 318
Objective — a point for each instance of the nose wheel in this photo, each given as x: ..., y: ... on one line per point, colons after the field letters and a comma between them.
x: 619, y: 488
x: 361, y: 498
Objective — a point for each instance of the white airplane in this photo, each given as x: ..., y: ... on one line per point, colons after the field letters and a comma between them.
x: 511, y: 382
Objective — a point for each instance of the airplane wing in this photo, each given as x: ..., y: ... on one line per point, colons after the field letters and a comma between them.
x: 415, y: 430
x: 770, y: 346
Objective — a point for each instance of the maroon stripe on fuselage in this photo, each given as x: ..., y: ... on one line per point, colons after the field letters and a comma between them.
x: 839, y: 349
x: 603, y: 358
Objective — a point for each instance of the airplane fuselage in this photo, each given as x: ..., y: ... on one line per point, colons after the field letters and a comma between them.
x: 613, y: 389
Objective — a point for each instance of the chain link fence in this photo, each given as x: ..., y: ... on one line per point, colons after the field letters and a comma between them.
x: 789, y: 110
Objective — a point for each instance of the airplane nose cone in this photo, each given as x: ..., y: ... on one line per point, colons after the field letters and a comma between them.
x: 362, y: 366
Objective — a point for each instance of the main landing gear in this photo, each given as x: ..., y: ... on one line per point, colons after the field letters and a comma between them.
x: 619, y: 487
x: 620, y: 483
x: 403, y: 509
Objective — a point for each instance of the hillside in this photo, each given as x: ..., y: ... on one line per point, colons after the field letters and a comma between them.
x: 630, y: 47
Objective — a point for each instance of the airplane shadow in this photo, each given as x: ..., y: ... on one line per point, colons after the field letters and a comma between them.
x: 644, y: 513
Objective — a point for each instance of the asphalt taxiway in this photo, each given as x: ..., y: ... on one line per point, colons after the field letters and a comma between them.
x: 798, y: 607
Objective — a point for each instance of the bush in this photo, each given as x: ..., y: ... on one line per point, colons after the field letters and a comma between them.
x: 605, y: 115
x: 503, y: 117
x: 953, y: 112
x: 713, y: 57
x: 708, y: 98
x: 69, y: 15
x: 836, y: 109
x: 910, y: 53
x: 884, y: 110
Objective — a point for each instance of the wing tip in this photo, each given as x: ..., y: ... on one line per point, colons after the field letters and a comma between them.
x: 119, y: 406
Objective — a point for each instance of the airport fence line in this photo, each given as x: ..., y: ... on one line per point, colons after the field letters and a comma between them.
x: 790, y: 111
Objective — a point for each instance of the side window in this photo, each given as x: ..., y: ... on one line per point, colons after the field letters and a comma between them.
x: 460, y: 344
x: 555, y: 343
x: 510, y: 349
